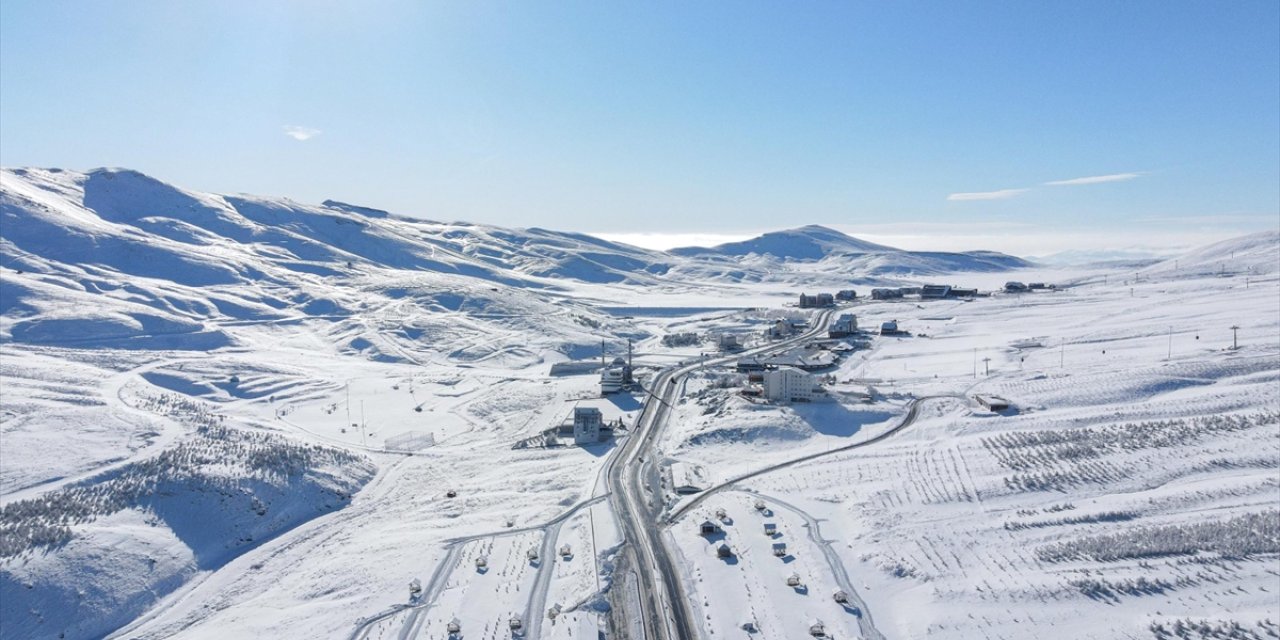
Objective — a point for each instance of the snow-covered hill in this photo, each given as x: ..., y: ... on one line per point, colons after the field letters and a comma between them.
x: 837, y: 253
x: 205, y: 399
x: 1255, y: 254
x: 812, y: 242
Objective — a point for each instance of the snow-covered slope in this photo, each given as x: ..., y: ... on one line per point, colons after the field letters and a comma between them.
x: 113, y: 256
x: 1255, y: 253
x: 205, y: 395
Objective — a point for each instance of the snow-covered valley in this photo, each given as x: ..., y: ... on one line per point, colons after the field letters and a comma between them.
x: 235, y: 416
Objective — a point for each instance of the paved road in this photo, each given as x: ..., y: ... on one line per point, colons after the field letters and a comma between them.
x: 665, y: 613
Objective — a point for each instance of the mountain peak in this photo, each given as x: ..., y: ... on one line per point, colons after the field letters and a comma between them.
x: 810, y: 242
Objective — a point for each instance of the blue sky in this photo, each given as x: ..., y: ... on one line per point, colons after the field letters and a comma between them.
x: 927, y: 122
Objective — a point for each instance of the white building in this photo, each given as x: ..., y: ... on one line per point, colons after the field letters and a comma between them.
x: 611, y: 380
x: 685, y: 478
x: 787, y: 384
x: 586, y: 425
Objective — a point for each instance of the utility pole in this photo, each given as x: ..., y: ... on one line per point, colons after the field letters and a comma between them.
x: 362, y: 424
x: 975, y: 362
x: 1062, y: 353
x: 1234, y: 343
x: 986, y: 366
x: 1170, y: 356
x: 348, y: 402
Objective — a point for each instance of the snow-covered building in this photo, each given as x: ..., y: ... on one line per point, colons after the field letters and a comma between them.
x: 821, y: 300
x: 844, y: 326
x: 788, y: 384
x: 587, y: 422
x: 992, y: 403
x: 611, y: 380
x: 728, y: 342
x: 934, y: 291
x: 885, y: 294
x: 889, y: 328
x: 846, y: 295
x: 779, y: 329
x: 803, y: 359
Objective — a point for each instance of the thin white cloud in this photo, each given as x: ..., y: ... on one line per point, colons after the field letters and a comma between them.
x: 1113, y: 177
x: 300, y: 133
x: 1003, y: 194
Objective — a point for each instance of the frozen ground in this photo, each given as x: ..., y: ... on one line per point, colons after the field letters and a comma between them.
x: 206, y: 399
x: 1131, y: 491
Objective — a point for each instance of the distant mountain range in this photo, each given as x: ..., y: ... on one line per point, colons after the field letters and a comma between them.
x: 112, y: 257
x: 126, y: 221
x: 812, y: 242
x: 851, y: 256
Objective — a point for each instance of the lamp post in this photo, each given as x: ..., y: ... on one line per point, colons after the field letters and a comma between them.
x: 986, y: 366
x: 1234, y: 343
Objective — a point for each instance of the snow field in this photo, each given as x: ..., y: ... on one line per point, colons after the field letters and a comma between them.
x: 751, y: 586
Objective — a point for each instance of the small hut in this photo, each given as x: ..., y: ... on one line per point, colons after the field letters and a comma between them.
x: 532, y: 554
x: 415, y: 587
x: 760, y: 506
x: 708, y: 528
x: 724, y: 551
x: 721, y: 514
x: 770, y: 529
x: 482, y: 563
x: 840, y: 596
x: 817, y: 629
x: 454, y: 627
x: 793, y: 580
x: 566, y: 551
x: 780, y: 549
x: 515, y: 622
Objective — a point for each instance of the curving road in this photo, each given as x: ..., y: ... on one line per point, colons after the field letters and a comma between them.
x: 913, y: 412
x: 664, y: 613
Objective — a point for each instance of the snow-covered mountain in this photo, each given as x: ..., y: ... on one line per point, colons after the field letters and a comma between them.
x: 213, y: 410
x: 1256, y: 253
x: 812, y: 242
x: 132, y: 258
x: 840, y: 253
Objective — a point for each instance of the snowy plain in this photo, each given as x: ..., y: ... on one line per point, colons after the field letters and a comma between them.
x: 202, y: 396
